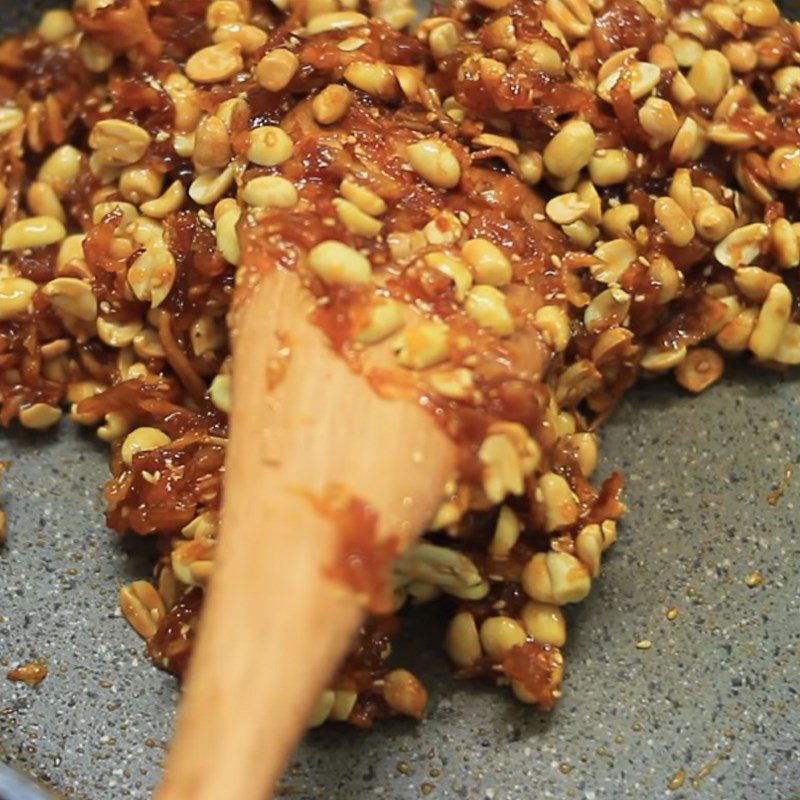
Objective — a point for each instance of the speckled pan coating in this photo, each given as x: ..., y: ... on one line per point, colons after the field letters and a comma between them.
x: 718, y: 683
x: 716, y: 694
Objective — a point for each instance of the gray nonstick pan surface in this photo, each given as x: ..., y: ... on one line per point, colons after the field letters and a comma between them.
x: 714, y: 698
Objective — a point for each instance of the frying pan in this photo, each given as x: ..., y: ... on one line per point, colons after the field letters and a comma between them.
x: 709, y: 711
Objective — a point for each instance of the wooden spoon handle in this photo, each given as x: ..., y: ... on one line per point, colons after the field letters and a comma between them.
x: 275, y: 624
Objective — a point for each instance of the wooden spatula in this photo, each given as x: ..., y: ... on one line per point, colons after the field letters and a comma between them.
x: 275, y: 623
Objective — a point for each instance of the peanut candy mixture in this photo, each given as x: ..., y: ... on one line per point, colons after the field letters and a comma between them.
x: 508, y: 212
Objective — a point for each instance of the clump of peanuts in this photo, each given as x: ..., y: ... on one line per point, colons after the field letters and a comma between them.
x: 520, y: 208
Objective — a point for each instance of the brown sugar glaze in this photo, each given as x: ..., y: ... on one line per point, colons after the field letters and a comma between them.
x: 537, y: 396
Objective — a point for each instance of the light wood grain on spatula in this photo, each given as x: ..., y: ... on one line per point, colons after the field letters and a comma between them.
x: 275, y: 626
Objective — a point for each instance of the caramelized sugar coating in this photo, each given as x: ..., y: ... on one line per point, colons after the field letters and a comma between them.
x: 508, y: 215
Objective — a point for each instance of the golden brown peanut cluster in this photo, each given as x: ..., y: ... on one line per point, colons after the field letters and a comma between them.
x: 509, y: 216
